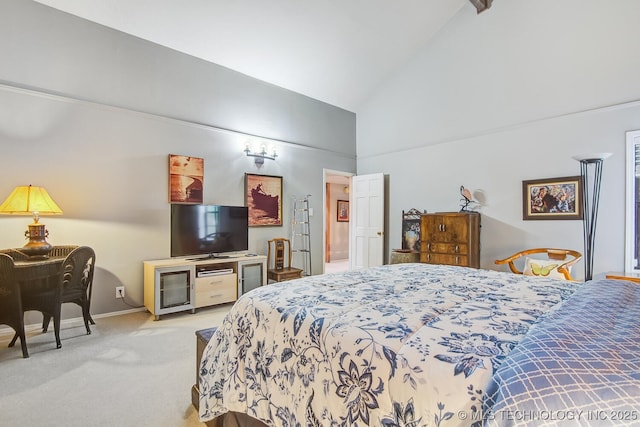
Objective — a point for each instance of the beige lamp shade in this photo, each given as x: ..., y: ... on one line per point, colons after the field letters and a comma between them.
x: 29, y: 200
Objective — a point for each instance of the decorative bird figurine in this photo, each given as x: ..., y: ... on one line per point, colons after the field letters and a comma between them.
x: 466, y: 200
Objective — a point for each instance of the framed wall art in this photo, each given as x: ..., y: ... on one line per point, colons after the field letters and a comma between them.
x: 343, y: 211
x: 553, y: 198
x: 263, y: 197
x: 411, y: 230
x: 186, y: 175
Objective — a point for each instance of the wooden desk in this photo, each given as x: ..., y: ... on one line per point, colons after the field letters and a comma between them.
x: 633, y: 277
x: 34, y: 276
x: 37, y: 276
x: 28, y: 271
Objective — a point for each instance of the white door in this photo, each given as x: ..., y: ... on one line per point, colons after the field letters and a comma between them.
x: 367, y: 221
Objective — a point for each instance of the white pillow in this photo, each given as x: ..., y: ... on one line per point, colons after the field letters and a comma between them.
x: 543, y: 268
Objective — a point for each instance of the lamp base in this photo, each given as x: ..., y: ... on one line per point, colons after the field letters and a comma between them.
x: 37, y: 246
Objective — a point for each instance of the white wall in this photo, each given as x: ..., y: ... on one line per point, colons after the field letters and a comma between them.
x: 92, y: 114
x: 506, y: 96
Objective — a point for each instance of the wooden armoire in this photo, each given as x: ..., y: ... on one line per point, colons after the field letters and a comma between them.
x: 451, y: 238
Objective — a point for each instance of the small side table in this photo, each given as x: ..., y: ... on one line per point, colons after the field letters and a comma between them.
x: 400, y: 257
x: 633, y: 277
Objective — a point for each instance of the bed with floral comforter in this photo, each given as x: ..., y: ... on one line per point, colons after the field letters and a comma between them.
x: 397, y: 345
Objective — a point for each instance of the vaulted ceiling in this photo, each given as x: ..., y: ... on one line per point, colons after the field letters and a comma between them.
x: 336, y: 51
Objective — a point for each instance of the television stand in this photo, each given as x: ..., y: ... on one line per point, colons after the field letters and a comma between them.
x: 173, y: 285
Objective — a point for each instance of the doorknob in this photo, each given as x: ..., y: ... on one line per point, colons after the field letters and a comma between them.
x: 379, y: 233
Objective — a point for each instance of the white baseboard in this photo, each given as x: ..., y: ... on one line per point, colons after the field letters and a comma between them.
x: 7, y: 330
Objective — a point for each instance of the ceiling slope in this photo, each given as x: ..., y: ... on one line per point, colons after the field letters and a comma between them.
x: 336, y: 51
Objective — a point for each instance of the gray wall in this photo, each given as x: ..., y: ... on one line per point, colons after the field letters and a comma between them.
x: 506, y: 96
x: 92, y: 114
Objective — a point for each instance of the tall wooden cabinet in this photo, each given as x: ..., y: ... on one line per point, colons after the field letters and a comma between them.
x: 450, y: 238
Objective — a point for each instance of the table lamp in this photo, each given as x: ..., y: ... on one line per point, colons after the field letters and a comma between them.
x: 29, y: 200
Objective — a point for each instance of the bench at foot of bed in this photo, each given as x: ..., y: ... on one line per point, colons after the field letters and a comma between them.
x: 202, y: 338
x: 231, y: 419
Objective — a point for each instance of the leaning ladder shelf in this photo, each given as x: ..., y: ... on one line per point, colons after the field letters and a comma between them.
x: 301, y: 234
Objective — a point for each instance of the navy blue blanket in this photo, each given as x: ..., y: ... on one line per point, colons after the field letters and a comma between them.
x: 578, y: 365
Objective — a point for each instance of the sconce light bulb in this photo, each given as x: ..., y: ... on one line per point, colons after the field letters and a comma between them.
x: 260, y: 155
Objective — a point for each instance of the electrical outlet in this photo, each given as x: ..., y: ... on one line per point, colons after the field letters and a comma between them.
x: 119, y: 291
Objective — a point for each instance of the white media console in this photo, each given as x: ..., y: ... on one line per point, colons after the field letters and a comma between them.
x: 180, y: 284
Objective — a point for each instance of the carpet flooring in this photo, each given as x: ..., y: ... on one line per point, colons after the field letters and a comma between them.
x: 131, y: 371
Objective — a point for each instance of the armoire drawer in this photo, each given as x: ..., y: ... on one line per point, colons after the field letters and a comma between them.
x: 448, y: 248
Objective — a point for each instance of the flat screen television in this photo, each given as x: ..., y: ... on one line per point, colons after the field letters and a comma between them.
x: 211, y: 230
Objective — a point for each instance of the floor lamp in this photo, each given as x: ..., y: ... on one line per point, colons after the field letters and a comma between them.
x: 590, y: 199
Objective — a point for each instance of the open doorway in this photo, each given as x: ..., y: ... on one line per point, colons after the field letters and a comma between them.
x: 337, y: 186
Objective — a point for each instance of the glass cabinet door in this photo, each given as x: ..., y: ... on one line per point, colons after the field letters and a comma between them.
x: 251, y: 276
x: 175, y: 288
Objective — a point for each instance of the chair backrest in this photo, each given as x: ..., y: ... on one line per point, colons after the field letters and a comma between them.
x: 60, y: 251
x: 560, y: 259
x: 280, y: 256
x: 10, y: 300
x: 76, y: 271
x: 16, y: 254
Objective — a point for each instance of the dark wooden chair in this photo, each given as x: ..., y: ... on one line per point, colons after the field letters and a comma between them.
x: 74, y: 286
x: 16, y: 254
x: 63, y: 251
x: 565, y: 259
x: 279, y: 261
x: 11, y: 312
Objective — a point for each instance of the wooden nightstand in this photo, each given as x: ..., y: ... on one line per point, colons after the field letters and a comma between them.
x: 400, y: 256
x: 633, y: 277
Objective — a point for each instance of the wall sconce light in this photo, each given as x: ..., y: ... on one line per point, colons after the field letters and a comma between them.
x: 29, y: 200
x: 261, y: 155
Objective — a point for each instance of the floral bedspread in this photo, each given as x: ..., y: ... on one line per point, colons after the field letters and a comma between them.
x: 397, y: 345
